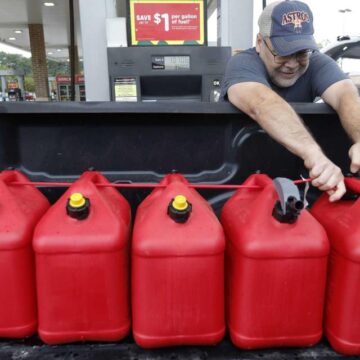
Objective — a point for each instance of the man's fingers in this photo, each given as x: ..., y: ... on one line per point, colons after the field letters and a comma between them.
x: 354, y: 167
x: 329, y: 177
x: 354, y: 154
x: 331, y: 183
x: 316, y: 171
x: 338, y: 193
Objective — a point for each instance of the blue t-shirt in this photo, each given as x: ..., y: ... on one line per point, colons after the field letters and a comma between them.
x: 248, y: 67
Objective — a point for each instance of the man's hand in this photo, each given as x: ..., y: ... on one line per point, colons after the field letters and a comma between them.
x: 282, y: 123
x: 326, y: 175
x: 354, y: 154
x: 344, y: 98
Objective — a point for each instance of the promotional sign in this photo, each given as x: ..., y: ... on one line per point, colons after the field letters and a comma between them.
x: 66, y: 79
x: 167, y: 22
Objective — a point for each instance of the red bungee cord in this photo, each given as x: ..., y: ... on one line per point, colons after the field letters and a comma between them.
x: 148, y: 186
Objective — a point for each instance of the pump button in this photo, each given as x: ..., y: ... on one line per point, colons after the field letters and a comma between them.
x: 179, y: 209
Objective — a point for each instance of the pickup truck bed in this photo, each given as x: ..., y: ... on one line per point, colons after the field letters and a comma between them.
x: 137, y: 143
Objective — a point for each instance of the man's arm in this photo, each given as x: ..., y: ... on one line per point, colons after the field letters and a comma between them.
x: 281, y: 122
x: 343, y: 97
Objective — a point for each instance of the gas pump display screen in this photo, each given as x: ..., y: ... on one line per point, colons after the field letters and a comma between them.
x: 170, y: 63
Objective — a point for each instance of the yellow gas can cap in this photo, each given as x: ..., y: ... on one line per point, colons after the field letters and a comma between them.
x: 180, y: 202
x: 77, y: 200
x: 78, y: 206
x: 179, y: 209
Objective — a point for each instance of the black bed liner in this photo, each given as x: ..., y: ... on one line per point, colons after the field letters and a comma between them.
x: 141, y: 142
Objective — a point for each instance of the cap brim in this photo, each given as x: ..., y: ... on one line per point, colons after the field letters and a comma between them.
x: 287, y: 45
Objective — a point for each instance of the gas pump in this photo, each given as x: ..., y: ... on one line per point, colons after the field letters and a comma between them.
x: 168, y: 58
x: 167, y: 73
x: 15, y: 95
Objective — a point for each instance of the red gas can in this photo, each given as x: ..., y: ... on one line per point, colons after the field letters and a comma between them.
x: 276, y: 257
x: 177, y: 269
x: 82, y: 267
x: 21, y: 207
x: 341, y: 221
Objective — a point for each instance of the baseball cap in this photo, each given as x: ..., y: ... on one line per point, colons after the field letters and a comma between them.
x: 289, y: 25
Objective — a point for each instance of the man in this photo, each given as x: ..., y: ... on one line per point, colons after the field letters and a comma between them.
x: 285, y: 66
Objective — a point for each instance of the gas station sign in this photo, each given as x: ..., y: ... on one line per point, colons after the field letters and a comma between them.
x: 167, y: 22
x: 12, y: 84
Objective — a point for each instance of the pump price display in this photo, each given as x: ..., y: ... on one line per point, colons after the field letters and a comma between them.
x: 167, y: 22
x: 171, y: 63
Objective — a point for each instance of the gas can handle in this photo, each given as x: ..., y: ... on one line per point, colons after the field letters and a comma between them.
x: 289, y: 206
x: 8, y: 176
x: 352, y: 183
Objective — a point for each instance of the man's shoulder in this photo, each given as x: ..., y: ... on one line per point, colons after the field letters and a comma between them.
x: 246, y: 58
x: 318, y: 58
x: 323, y: 63
x: 323, y: 72
x: 245, y: 66
x: 248, y: 53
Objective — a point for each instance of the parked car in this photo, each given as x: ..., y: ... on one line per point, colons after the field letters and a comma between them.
x: 29, y: 97
x: 346, y: 52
